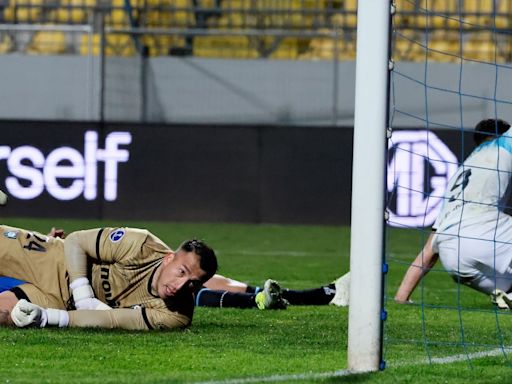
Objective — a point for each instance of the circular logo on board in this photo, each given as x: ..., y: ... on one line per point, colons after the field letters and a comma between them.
x: 419, y: 168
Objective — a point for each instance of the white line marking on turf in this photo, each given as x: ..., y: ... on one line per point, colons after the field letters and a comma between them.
x: 326, y: 375
x: 276, y: 378
x: 463, y: 356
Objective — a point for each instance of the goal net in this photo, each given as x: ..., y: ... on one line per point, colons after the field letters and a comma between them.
x: 451, y: 69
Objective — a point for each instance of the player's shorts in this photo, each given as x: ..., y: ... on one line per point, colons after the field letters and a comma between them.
x: 479, y: 256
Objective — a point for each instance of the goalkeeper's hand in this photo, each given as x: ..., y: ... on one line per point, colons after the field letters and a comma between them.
x: 25, y: 314
x: 83, y: 295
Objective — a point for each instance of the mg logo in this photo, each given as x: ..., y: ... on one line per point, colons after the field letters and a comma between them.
x: 419, y: 168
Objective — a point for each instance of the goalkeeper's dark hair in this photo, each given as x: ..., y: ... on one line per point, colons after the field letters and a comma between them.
x: 489, y: 129
x: 207, y: 258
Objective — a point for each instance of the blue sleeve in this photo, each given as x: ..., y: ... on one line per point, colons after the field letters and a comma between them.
x: 505, y: 141
x: 7, y: 283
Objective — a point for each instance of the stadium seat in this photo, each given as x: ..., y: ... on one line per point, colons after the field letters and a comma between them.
x: 118, y: 16
x: 224, y: 47
x: 73, y: 11
x: 409, y: 49
x: 482, y: 46
x: 23, y: 11
x: 350, y: 16
x: 47, y: 43
x: 444, y: 46
x: 167, y: 14
x: 115, y: 45
x: 405, y: 14
x: 6, y: 44
x: 478, y: 13
x: 439, y: 14
x: 243, y: 47
x: 325, y: 48
x: 503, y: 14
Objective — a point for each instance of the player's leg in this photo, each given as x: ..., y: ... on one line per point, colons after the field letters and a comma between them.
x: 480, y: 262
x: 222, y: 283
x: 270, y: 297
x: 216, y: 294
x: 335, y: 293
x: 224, y: 299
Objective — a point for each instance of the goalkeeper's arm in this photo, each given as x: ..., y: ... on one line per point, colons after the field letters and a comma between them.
x: 77, y: 247
x: 421, y: 265
x: 25, y: 314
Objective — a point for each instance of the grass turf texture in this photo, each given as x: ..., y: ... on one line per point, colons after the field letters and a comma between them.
x: 227, y: 344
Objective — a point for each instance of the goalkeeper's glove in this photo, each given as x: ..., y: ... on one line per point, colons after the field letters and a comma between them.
x: 83, y: 295
x: 25, y: 314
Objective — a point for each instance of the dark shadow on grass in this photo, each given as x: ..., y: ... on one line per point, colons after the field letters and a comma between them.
x: 352, y: 378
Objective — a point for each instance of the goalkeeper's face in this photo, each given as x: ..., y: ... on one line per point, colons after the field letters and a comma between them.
x: 178, y: 270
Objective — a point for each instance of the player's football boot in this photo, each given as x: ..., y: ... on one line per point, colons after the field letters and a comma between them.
x: 271, y: 297
x: 342, y: 285
x: 501, y: 299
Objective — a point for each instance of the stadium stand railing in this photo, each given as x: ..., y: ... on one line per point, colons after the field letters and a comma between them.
x: 283, y: 29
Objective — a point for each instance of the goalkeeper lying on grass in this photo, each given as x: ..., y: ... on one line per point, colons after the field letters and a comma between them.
x: 223, y: 292
x: 109, y: 277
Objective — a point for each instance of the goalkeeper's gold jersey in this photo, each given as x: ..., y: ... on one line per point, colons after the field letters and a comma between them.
x: 122, y: 264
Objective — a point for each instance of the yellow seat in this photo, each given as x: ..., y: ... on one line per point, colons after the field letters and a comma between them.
x: 408, y: 49
x: 444, y: 46
x: 436, y: 13
x: 482, y: 46
x: 23, y: 11
x: 287, y: 49
x: 73, y: 11
x: 47, y: 43
x: 350, y: 19
x: 405, y: 13
x: 325, y: 48
x: 169, y: 14
x: 224, y: 47
x: 6, y: 44
x: 115, y: 45
x: 166, y: 14
x: 118, y: 16
x: 503, y: 14
x: 162, y: 45
x: 478, y: 13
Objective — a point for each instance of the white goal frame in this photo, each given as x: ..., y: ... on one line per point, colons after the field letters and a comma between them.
x: 368, y: 173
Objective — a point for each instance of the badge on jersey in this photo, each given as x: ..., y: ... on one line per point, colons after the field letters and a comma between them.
x: 11, y: 234
x: 117, y: 235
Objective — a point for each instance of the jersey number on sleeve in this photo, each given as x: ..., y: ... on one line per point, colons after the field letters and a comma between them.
x: 35, y: 244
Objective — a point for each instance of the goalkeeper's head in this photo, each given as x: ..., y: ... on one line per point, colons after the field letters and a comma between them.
x: 489, y: 129
x: 188, y: 268
x: 207, y: 258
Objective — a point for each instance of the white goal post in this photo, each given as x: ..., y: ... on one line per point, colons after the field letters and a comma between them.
x: 368, y: 183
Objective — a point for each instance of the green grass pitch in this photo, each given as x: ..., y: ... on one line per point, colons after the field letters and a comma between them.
x: 300, y: 344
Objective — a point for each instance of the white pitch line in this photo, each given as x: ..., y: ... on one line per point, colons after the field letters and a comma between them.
x: 276, y: 378
x: 469, y: 356
x: 333, y: 374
